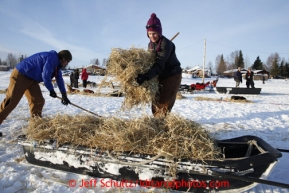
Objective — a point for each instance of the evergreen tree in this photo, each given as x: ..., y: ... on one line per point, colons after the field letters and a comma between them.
x: 0, y: 62
x: 240, y: 60
x: 221, y: 65
x: 282, y: 69
x: 286, y: 70
x: 21, y: 58
x: 96, y: 62
x: 258, y: 65
x: 104, y: 62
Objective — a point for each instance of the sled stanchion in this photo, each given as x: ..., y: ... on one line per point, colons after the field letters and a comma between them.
x: 175, y: 36
x: 81, y: 108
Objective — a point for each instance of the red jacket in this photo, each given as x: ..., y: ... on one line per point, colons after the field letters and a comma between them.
x: 84, y: 74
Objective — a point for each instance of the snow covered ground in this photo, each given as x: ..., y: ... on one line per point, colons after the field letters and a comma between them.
x: 266, y: 117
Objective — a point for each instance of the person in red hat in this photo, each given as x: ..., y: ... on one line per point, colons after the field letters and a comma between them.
x: 166, y: 67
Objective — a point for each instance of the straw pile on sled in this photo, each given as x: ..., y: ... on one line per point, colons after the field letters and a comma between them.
x: 124, y: 65
x: 171, y: 136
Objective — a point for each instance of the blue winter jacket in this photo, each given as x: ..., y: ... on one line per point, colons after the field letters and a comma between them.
x: 42, y: 67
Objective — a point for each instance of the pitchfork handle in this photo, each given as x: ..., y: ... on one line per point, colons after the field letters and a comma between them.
x: 81, y: 108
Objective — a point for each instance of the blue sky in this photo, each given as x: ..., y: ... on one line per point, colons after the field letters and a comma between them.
x: 91, y: 28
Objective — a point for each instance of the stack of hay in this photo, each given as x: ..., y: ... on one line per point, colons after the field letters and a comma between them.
x: 124, y: 65
x: 171, y: 136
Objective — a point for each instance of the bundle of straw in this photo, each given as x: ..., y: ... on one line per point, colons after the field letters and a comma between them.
x: 124, y: 65
x: 170, y: 136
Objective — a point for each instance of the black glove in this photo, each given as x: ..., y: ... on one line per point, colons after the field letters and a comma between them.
x: 64, y: 99
x: 53, y: 94
x: 141, y: 78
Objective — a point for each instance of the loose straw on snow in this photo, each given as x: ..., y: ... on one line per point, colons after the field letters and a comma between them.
x: 220, y: 99
x: 124, y: 65
x: 173, y: 136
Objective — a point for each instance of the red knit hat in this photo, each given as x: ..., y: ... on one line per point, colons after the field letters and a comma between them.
x: 154, y: 24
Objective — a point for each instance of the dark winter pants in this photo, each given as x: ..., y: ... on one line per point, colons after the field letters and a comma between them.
x: 167, y: 97
x: 250, y: 82
x: 18, y: 86
x: 75, y: 83
x: 84, y: 83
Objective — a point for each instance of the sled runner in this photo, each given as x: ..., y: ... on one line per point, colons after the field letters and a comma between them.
x: 234, y: 90
x: 244, y: 159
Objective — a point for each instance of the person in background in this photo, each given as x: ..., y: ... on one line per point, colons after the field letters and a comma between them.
x: 84, y: 77
x: 75, y: 78
x: 71, y: 78
x: 238, y: 77
x: 263, y: 77
x: 249, y: 78
x: 25, y: 79
x: 166, y: 67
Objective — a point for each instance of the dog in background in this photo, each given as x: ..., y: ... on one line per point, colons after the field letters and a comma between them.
x: 238, y: 98
x: 91, y: 84
x: 72, y: 90
x: 87, y: 91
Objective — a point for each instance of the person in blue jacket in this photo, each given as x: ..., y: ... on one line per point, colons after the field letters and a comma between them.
x: 25, y: 79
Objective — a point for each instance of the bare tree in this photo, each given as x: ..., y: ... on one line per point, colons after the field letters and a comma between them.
x: 273, y: 64
x: 247, y: 62
x: 273, y: 57
x: 230, y: 65
x: 233, y: 59
x: 11, y: 60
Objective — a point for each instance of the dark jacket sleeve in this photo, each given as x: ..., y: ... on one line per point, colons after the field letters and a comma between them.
x: 166, y: 62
